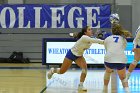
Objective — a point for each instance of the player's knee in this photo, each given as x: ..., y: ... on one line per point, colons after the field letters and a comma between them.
x: 122, y: 77
x: 107, y: 75
x: 60, y: 71
x: 135, y: 62
x: 84, y: 71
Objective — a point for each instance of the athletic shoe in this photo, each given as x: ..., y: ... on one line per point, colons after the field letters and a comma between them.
x: 50, y: 73
x: 127, y: 91
x: 81, y: 88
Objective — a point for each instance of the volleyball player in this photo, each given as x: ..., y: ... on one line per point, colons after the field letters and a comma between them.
x: 76, y: 54
x: 115, y: 57
x: 136, y: 51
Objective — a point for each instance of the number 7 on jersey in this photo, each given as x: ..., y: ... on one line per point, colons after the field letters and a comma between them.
x: 116, y: 39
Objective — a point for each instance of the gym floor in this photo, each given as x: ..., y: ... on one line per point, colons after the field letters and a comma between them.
x: 32, y: 78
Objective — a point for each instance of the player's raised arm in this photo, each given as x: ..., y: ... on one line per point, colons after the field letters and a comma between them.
x: 92, y: 40
x: 99, y: 41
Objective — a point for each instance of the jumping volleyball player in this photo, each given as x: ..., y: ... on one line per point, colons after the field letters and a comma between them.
x: 76, y: 54
x: 115, y: 57
x: 136, y: 51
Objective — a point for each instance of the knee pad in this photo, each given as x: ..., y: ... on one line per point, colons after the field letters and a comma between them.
x: 107, y: 76
x: 84, y: 71
x: 135, y: 62
x: 57, y: 70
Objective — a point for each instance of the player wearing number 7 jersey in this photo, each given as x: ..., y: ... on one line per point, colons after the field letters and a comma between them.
x: 115, y: 57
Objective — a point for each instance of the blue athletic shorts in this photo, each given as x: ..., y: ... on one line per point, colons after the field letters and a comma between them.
x: 71, y: 56
x: 137, y: 46
x: 118, y: 66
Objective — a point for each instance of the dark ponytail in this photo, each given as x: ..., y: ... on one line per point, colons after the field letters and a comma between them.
x: 80, y: 34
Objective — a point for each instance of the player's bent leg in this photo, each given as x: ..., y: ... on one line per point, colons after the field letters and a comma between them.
x: 106, y: 81
x: 125, y: 85
x: 64, y: 67
x: 82, y: 64
x: 82, y: 79
x: 107, y: 75
x: 122, y: 76
x: 135, y: 62
x: 131, y: 68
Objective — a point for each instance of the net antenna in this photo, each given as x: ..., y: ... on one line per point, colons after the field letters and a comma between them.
x: 115, y: 9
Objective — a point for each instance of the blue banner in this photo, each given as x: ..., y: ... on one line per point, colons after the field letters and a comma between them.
x: 54, y: 16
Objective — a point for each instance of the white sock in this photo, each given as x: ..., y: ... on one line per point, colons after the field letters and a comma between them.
x: 58, y: 70
x: 105, y: 87
x: 81, y: 83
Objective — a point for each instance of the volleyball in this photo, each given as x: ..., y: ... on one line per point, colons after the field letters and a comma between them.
x: 114, y: 18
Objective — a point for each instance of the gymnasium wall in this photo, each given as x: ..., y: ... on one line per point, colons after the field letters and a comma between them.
x: 1, y: 1
x: 135, y: 15
x: 29, y: 41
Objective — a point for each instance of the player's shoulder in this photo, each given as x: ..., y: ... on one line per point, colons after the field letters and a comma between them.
x: 114, y: 36
x: 85, y: 36
x: 109, y: 37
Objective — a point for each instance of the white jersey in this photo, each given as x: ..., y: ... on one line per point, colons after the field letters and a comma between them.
x: 115, y: 46
x: 84, y: 43
x: 136, y: 40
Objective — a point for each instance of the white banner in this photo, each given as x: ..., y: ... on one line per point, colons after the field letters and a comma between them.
x: 56, y: 52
